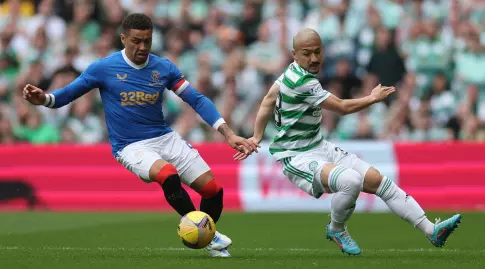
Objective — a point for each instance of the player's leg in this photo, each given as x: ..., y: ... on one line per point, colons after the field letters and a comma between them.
x: 195, y: 172
x: 346, y: 184
x: 147, y: 164
x: 167, y: 176
x: 396, y: 199
x: 211, y: 203
x: 311, y: 173
x: 211, y: 193
x: 406, y: 207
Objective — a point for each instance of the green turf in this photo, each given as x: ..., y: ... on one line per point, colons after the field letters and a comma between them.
x: 149, y: 240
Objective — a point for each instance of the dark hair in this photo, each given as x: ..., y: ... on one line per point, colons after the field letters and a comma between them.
x: 137, y: 21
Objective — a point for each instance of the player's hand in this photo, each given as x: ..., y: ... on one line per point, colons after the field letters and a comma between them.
x: 33, y: 94
x: 242, y: 145
x: 241, y: 155
x: 380, y: 92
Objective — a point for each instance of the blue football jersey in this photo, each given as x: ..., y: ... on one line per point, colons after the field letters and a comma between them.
x: 131, y: 95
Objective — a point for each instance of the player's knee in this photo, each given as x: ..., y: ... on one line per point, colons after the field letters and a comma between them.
x: 171, y: 185
x: 212, y: 201
x: 344, y: 179
x: 353, y: 180
x: 211, y: 189
x: 168, y: 175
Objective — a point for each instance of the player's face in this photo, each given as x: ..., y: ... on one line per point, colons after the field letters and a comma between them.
x: 138, y: 44
x: 309, y: 55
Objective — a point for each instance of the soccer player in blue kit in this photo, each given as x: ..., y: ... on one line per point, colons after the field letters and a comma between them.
x: 131, y: 83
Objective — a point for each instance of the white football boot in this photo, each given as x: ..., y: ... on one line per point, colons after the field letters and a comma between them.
x: 218, y: 246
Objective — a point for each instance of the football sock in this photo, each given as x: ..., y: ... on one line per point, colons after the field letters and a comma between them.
x: 175, y: 194
x: 404, y: 205
x: 212, y: 199
x: 346, y: 184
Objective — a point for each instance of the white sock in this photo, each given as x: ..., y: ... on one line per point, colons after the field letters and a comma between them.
x: 404, y: 205
x: 346, y: 184
x: 335, y: 225
x: 426, y: 226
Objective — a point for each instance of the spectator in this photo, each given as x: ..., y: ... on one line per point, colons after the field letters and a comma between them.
x: 54, y: 25
x: 31, y: 128
x: 442, y: 103
x: 366, y: 39
x: 283, y: 27
x: 423, y: 127
x: 349, y: 82
x: 233, y: 51
x: 386, y: 63
x: 250, y: 21
x: 264, y: 57
x: 85, y: 126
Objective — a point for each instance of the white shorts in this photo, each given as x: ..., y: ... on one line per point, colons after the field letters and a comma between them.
x: 304, y: 169
x: 139, y: 157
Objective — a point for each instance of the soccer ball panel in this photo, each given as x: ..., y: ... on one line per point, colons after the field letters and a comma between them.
x: 206, y: 231
x: 196, y: 216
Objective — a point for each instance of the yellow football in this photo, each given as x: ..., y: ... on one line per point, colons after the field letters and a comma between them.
x: 196, y: 229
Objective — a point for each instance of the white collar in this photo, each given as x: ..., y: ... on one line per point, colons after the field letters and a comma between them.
x: 132, y: 64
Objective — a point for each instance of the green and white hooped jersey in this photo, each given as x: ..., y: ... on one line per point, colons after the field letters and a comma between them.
x: 297, y: 113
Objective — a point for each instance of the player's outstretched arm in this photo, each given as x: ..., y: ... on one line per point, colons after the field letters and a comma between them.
x: 262, y: 118
x: 265, y: 112
x: 206, y: 110
x: 61, y: 97
x: 209, y: 113
x: 349, y: 106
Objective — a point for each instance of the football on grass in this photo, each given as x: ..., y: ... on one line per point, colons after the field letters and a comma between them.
x: 196, y: 229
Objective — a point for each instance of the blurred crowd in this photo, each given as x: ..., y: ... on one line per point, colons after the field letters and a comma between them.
x: 432, y: 51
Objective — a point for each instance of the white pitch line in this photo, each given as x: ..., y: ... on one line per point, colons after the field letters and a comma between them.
x: 22, y: 248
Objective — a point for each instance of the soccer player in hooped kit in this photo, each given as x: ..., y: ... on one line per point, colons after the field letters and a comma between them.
x: 131, y: 83
x: 317, y: 166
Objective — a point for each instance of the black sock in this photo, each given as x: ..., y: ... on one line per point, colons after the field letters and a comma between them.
x: 177, y: 196
x: 213, y: 205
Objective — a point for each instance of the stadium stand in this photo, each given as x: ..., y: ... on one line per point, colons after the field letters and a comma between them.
x: 232, y: 51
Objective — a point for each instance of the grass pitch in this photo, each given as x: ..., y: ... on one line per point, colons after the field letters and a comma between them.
x: 277, y: 240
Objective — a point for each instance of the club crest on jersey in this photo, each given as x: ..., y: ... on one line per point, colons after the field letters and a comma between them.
x: 313, y: 165
x: 156, y: 79
x: 120, y: 77
x: 155, y: 75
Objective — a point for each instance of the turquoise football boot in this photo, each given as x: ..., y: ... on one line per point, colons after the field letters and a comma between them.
x: 344, y: 241
x: 444, y: 229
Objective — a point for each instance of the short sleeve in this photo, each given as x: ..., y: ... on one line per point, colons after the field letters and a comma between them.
x: 316, y: 93
x: 280, y: 79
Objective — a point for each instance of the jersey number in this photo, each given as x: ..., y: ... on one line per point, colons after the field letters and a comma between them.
x: 277, y: 111
x: 341, y: 150
x: 128, y: 96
